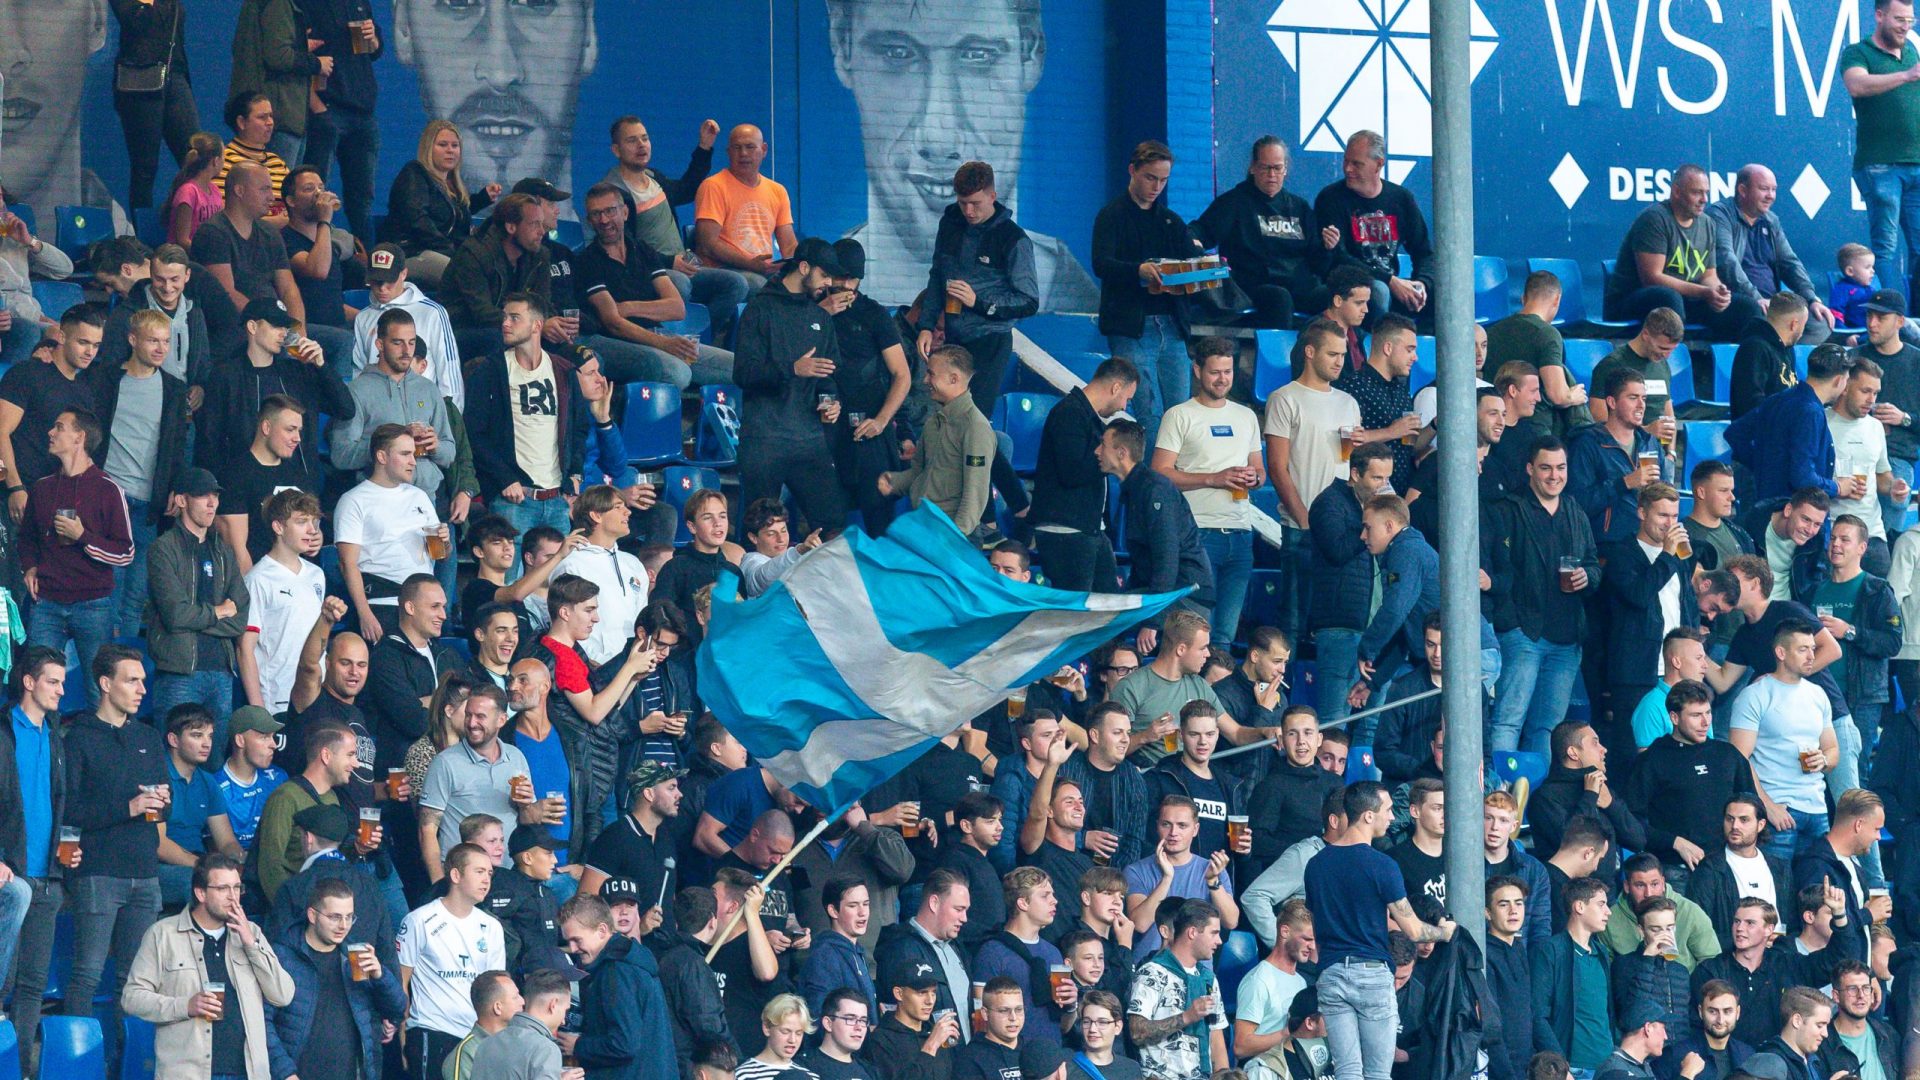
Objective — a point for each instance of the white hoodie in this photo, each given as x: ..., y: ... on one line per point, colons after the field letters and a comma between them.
x: 436, y: 336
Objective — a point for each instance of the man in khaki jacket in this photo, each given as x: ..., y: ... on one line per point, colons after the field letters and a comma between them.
x: 202, y: 977
x: 952, y: 466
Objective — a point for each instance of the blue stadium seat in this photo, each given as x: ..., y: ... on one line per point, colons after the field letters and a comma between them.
x: 1404, y: 265
x: 1706, y: 441
x: 149, y: 226
x: 10, y: 1052
x: 698, y: 322
x: 1511, y: 765
x: 1800, y: 354
x: 1065, y: 333
x: 1425, y: 364
x: 25, y: 213
x: 1081, y: 363
x: 1583, y: 355
x: 1680, y: 364
x: 56, y: 297
x: 652, y: 423
x: 682, y: 482
x: 1026, y: 414
x: 1574, y: 310
x: 78, y: 227
x: 570, y: 234
x: 1272, y: 368
x: 356, y: 298
x: 136, y: 1049
x: 1606, y: 271
x: 1360, y: 764
x: 1723, y: 371
x: 716, y: 437
x: 460, y: 644
x: 72, y: 1047
x: 1264, y: 597
x: 1238, y: 953
x: 1490, y: 298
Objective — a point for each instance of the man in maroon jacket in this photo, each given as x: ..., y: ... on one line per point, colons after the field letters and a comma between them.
x: 76, y: 532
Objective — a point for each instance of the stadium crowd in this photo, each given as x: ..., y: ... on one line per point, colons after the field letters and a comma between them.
x: 354, y: 728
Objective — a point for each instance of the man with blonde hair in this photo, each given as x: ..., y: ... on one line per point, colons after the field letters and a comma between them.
x: 1021, y: 950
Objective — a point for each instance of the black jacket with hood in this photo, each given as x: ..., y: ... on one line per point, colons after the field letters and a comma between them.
x: 778, y: 406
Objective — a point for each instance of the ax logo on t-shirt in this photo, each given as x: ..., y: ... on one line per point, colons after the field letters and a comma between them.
x: 1280, y: 228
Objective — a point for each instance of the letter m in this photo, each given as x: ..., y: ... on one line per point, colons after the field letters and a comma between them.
x: 1573, y: 74
x: 1786, y: 32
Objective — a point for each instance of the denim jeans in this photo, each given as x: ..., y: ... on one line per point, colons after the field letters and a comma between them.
x: 336, y: 342
x: 88, y: 624
x: 291, y: 148
x: 1296, y: 580
x: 1536, y: 685
x: 629, y: 361
x: 130, y: 581
x: 1851, y: 771
x: 1335, y: 667
x: 212, y: 689
x: 354, y: 138
x: 1166, y: 372
x: 1892, y: 195
x: 1894, y: 514
x: 1808, y: 830
x: 17, y: 341
x: 16, y: 899
x: 1362, y: 1017
x: 1231, y: 553
x: 35, y: 958
x: 527, y: 514
x: 110, y: 916
x: 721, y: 289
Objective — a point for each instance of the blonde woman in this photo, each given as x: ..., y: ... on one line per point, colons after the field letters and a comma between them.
x: 786, y: 1024
x: 429, y: 212
x: 444, y: 727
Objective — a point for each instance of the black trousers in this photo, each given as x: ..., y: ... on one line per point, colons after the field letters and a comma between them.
x: 807, y: 472
x: 1077, y: 562
x: 146, y: 120
x: 427, y: 1051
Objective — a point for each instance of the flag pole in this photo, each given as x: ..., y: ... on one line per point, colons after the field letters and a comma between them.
x: 740, y: 912
x: 1350, y: 718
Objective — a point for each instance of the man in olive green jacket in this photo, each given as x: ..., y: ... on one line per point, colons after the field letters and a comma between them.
x: 952, y: 466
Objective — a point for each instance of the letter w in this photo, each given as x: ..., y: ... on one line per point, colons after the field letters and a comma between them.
x: 1786, y: 30
x: 1573, y: 77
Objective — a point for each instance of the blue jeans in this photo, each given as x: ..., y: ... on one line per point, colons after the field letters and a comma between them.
x: 1848, y: 772
x: 291, y: 148
x: 1892, y: 195
x: 527, y: 514
x: 1535, y: 687
x: 212, y: 689
x: 721, y: 289
x: 1894, y: 514
x: 1808, y: 830
x: 1335, y: 667
x: 16, y: 896
x: 337, y: 343
x: 1362, y: 1016
x: 629, y: 361
x: 354, y: 138
x: 130, y: 581
x: 18, y: 340
x: 1166, y: 372
x: 1296, y: 581
x: 88, y: 624
x: 1231, y: 553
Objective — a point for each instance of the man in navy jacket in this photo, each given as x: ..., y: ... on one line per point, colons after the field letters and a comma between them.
x: 1784, y: 441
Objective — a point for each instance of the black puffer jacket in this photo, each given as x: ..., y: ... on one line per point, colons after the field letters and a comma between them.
x: 423, y: 216
x: 1342, y: 567
x: 692, y: 991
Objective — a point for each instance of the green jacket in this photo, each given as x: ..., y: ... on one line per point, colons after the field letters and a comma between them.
x: 278, y: 847
x: 175, y: 617
x: 951, y: 467
x: 462, y: 476
x: 1693, y: 936
x: 270, y: 55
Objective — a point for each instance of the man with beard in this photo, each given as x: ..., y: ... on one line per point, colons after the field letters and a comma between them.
x: 515, y: 94
x: 915, y: 117
x: 1710, y: 1053
x: 635, y: 848
x: 786, y: 358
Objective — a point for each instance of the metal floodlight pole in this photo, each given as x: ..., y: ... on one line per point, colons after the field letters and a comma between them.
x: 1452, y: 82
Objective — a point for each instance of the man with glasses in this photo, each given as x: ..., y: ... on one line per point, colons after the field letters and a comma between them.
x: 843, y: 1031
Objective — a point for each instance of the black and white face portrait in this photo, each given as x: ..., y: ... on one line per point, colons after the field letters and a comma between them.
x: 507, y: 72
x: 44, y: 46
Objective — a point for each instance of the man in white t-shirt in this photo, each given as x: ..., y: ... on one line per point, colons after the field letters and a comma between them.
x: 603, y: 515
x: 1267, y: 992
x: 382, y: 528
x: 1210, y: 448
x: 1862, y: 470
x: 286, y: 596
x: 1784, y: 724
x: 442, y: 947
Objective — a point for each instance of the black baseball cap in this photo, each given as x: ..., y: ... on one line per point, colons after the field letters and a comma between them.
x: 1888, y: 302
x: 385, y: 264
x: 620, y: 890
x: 1040, y: 1058
x: 820, y: 254
x: 852, y: 256
x: 910, y: 972
x: 197, y: 481
x: 328, y: 821
x: 541, y: 189
x: 528, y: 837
x: 270, y: 312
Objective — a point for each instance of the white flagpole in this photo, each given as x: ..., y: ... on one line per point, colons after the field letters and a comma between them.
x: 740, y: 912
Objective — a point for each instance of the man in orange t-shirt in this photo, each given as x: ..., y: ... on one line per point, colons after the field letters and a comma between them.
x: 742, y: 219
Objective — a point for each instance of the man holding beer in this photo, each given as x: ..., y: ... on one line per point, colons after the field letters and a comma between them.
x: 1647, y: 589
x: 386, y: 530
x: 478, y: 775
x: 335, y: 982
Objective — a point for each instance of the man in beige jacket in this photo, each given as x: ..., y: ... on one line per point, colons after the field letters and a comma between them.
x: 202, y: 978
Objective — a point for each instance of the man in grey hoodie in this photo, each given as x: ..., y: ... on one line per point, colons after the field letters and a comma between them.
x: 525, y: 1048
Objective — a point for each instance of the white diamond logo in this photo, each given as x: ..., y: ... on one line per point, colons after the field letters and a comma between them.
x: 1810, y: 191
x: 1568, y: 180
x: 1364, y: 64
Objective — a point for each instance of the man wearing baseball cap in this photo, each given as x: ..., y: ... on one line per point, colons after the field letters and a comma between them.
x: 784, y: 364
x: 635, y: 847
x: 199, y: 607
x: 388, y: 288
x: 269, y: 360
x: 1643, y: 1036
x: 912, y: 1042
x: 249, y: 775
x: 520, y: 898
x: 1887, y: 345
x: 623, y: 899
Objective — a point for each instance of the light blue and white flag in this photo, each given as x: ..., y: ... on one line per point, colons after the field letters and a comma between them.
x: 871, y: 650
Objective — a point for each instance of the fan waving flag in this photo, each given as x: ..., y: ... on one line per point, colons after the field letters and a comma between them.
x: 871, y: 650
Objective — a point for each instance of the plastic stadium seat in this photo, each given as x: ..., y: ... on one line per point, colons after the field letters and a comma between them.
x: 1490, y: 297
x: 652, y: 423
x: 1405, y: 264
x: 10, y: 1052
x: 1583, y: 355
x: 136, y: 1049
x: 149, y: 226
x: 71, y: 1047
x: 1800, y: 354
x: 1425, y: 364
x: 1272, y: 366
x: 1574, y: 310
x: 1723, y: 371
x: 461, y: 646
x: 77, y: 227
x: 717, y: 433
x: 25, y: 213
x: 356, y: 298
x: 1511, y: 765
x: 698, y: 322
x: 1263, y: 598
x: 1065, y: 333
x: 1360, y: 764
x: 682, y: 482
x: 1606, y: 271
x: 1680, y: 364
x: 56, y: 297
x: 570, y: 234
x: 1026, y: 414
x: 1081, y: 363
x: 1706, y: 441
x: 1238, y: 953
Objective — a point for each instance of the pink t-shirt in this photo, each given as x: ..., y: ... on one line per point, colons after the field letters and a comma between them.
x: 203, y: 202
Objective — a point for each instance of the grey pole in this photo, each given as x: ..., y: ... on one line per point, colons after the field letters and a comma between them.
x: 1452, y: 82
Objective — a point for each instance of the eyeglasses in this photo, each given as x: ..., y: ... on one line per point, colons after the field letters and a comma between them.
x: 1088, y: 1021
x: 850, y: 1019
x: 342, y: 920
x: 1122, y: 669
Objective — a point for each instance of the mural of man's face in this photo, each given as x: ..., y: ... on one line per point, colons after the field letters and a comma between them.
x: 938, y: 82
x: 508, y: 72
x: 45, y: 62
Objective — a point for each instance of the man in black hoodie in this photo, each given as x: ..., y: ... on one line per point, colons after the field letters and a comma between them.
x: 1286, y: 807
x: 1577, y: 784
x: 1070, y: 491
x: 784, y: 358
x: 266, y: 362
x: 1763, y: 363
x: 1684, y: 779
x: 1270, y: 238
x: 691, y: 987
